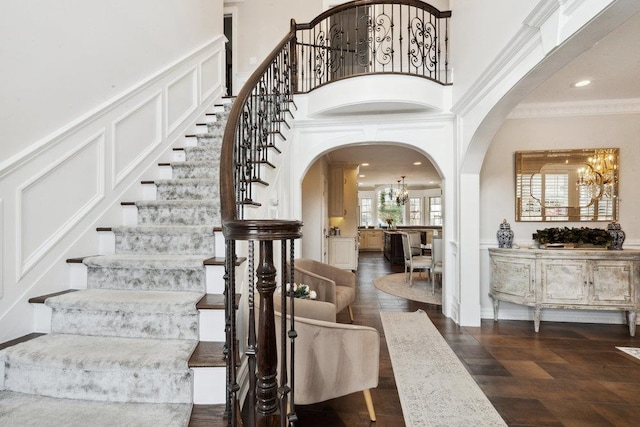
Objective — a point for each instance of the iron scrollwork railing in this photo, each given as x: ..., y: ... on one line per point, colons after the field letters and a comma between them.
x: 254, y: 123
x: 360, y: 37
x: 373, y: 36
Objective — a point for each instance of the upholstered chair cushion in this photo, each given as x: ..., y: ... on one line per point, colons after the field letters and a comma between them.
x: 332, y: 284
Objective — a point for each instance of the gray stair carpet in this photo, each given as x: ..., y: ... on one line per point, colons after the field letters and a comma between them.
x: 118, y: 351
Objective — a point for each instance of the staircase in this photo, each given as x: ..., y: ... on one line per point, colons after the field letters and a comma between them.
x: 140, y: 340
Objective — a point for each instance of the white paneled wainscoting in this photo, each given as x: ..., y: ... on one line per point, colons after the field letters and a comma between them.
x: 59, y: 189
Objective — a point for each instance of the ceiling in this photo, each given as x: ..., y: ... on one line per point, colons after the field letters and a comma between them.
x: 612, y: 65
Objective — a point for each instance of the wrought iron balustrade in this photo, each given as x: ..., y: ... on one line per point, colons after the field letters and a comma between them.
x: 368, y: 36
x: 360, y: 37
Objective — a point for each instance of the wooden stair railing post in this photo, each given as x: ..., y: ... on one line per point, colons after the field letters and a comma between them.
x: 267, y: 369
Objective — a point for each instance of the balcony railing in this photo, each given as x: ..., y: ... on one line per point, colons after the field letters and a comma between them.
x: 356, y: 38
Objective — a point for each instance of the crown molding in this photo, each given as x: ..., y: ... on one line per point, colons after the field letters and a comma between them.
x: 578, y: 108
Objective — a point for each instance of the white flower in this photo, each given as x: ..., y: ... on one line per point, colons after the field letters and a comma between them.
x: 313, y: 295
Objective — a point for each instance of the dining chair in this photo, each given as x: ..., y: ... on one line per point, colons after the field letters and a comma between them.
x: 436, y: 261
x: 411, y: 262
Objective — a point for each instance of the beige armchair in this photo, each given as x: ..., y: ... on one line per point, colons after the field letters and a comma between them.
x: 333, y: 285
x: 333, y: 360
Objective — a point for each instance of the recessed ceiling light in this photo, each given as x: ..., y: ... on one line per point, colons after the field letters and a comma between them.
x: 417, y: 163
x: 582, y: 83
x: 361, y: 176
x: 364, y: 164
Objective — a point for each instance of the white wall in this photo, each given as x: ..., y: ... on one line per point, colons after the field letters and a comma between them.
x: 62, y: 59
x: 479, y: 31
x: 261, y: 25
x: 314, y: 208
x: 497, y: 182
x: 92, y: 106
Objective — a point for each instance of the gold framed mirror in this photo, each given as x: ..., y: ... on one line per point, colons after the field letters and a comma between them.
x: 567, y: 185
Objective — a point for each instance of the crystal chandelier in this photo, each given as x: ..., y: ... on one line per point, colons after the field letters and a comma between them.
x: 402, y: 195
x: 598, y: 176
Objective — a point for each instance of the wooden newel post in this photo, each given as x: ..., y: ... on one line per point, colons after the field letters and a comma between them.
x: 267, y: 357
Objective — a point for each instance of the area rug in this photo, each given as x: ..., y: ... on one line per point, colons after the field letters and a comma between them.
x: 396, y: 284
x: 434, y: 387
x: 632, y: 351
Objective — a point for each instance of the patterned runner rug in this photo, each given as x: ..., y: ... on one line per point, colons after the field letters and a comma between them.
x: 435, y: 388
x: 632, y: 351
x: 398, y: 285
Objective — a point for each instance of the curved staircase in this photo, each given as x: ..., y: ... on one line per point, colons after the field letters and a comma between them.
x: 140, y: 342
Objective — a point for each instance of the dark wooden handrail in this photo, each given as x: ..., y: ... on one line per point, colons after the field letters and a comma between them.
x: 353, y: 4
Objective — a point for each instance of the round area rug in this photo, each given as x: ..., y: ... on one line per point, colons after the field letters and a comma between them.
x: 395, y: 284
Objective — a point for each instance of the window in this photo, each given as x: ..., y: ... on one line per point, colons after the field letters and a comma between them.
x: 366, y: 212
x: 435, y: 210
x: 388, y: 209
x: 415, y: 211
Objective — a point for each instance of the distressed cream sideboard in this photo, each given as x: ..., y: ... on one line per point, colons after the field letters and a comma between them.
x: 589, y: 279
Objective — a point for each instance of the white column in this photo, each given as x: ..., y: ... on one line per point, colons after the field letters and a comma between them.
x: 469, y: 249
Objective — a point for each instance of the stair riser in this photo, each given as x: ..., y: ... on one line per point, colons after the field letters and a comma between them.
x: 151, y: 279
x: 196, y: 215
x: 216, y: 128
x: 210, y: 139
x: 191, y: 171
x: 192, y: 155
x: 181, y: 191
x: 189, y: 278
x: 209, y: 386
x: 111, y: 385
x: 126, y: 324
x: 210, y: 328
x: 179, y: 244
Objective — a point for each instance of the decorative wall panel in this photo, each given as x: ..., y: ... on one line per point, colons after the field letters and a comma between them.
x: 2, y: 270
x: 135, y: 134
x: 53, y: 201
x: 210, y: 75
x: 182, y: 99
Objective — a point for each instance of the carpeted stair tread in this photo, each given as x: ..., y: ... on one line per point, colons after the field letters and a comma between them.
x: 18, y: 409
x: 162, y: 302
x: 165, y: 239
x: 160, y: 261
x: 185, y: 181
x: 109, y: 369
x: 126, y: 313
x: 178, y: 212
x: 159, y: 272
x: 89, y: 353
x: 164, y: 229
x: 212, y: 203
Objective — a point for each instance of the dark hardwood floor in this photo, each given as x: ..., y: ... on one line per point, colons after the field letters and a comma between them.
x: 569, y: 374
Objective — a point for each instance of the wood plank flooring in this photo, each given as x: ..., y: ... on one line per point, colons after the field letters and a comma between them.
x: 569, y: 374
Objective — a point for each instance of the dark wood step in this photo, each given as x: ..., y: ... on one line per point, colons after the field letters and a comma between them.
x: 165, y: 163
x: 19, y: 340
x: 249, y: 202
x: 220, y: 261
x: 42, y: 298
x: 127, y: 203
x: 256, y: 181
x: 208, y: 354
x: 263, y: 162
x: 283, y: 121
x: 104, y: 229
x: 207, y: 416
x: 214, y: 302
x: 77, y: 260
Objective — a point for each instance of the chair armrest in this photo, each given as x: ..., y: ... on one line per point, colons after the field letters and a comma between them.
x: 324, y: 287
x: 310, y: 309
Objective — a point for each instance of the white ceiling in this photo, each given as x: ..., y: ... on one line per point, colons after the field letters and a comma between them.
x: 612, y: 65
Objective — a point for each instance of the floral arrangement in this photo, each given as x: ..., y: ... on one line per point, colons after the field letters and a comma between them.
x: 582, y: 235
x: 298, y: 291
